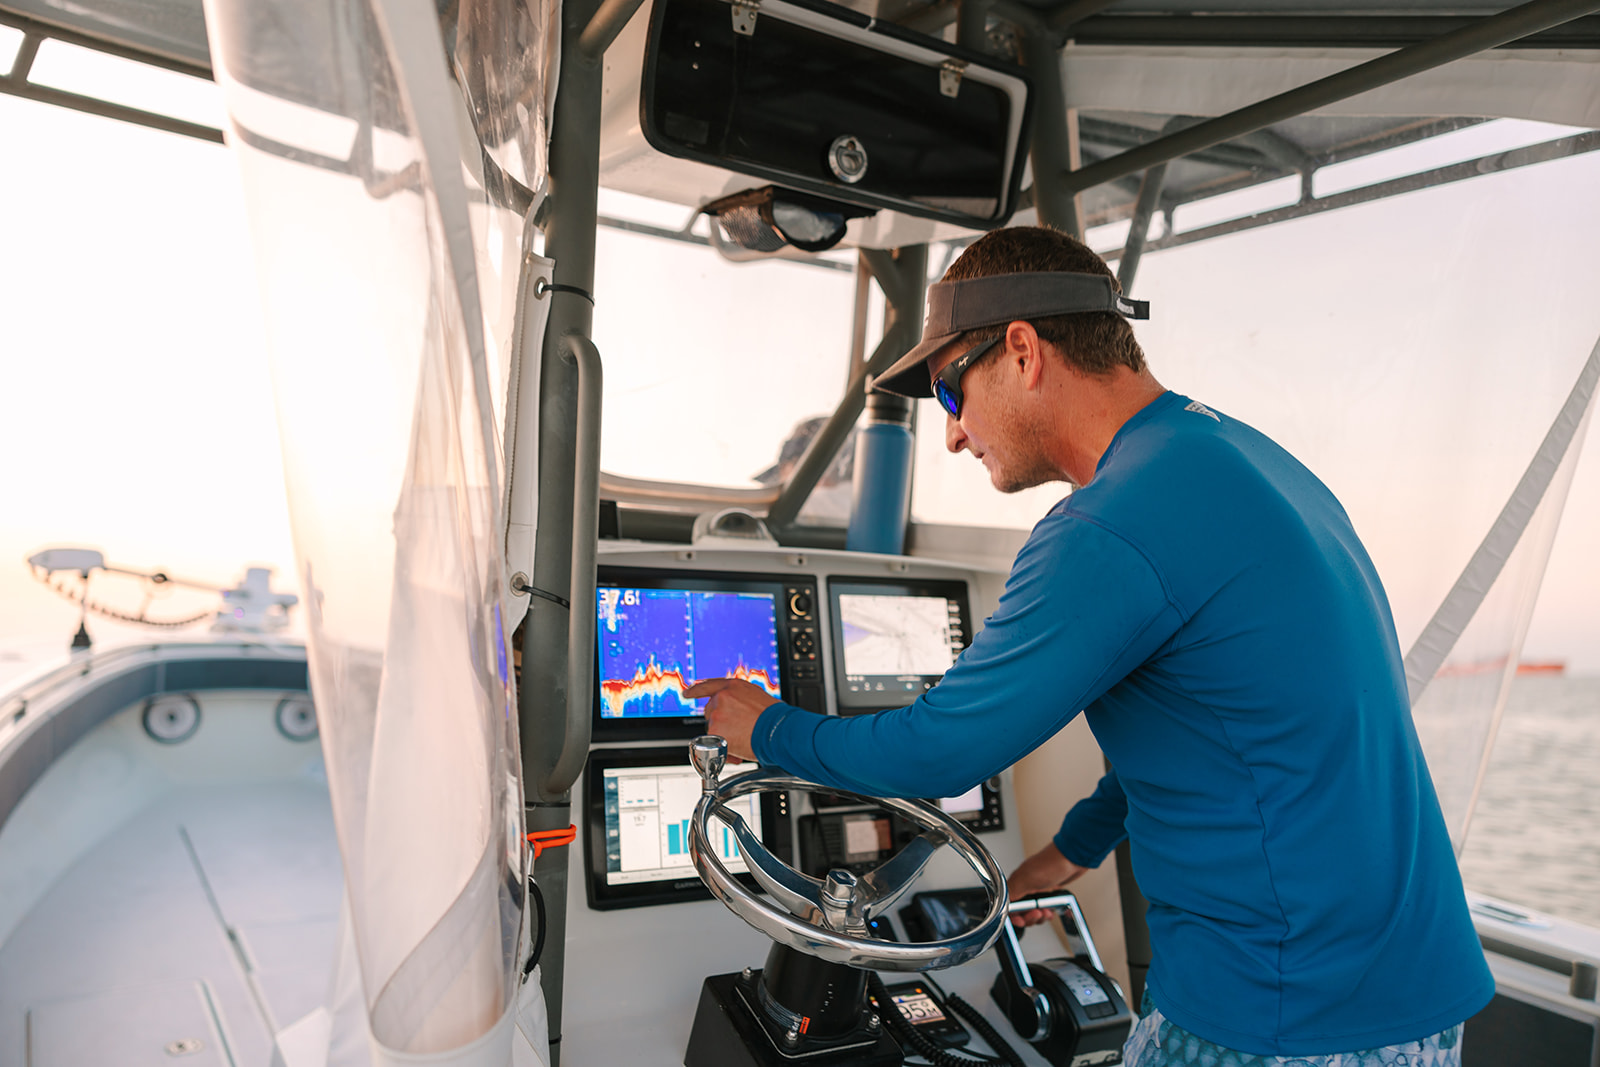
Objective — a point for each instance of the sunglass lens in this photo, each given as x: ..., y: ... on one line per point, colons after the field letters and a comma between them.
x: 947, y: 398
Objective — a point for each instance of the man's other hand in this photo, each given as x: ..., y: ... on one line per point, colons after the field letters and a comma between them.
x: 732, y: 711
x: 1043, y: 872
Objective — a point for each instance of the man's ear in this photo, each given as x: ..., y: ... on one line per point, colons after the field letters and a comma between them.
x: 1025, y: 348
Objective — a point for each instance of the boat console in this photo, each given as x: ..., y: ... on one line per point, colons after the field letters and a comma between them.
x: 832, y: 887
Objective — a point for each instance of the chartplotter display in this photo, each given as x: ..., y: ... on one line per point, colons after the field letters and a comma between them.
x: 893, y: 641
x: 655, y: 642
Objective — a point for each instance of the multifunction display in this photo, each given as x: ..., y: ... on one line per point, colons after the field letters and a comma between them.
x: 655, y: 643
x: 638, y: 806
x: 657, y: 632
x: 893, y: 641
x: 647, y: 813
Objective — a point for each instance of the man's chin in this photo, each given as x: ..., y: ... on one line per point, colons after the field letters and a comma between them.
x: 1007, y: 482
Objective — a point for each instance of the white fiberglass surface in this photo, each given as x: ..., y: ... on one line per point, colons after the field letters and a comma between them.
x: 152, y: 893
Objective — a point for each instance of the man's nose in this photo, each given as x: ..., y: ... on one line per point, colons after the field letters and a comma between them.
x: 955, y: 438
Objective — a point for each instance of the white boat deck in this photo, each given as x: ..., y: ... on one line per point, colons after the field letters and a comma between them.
x: 205, y: 913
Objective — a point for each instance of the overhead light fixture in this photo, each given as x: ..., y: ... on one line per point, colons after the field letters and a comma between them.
x: 766, y: 221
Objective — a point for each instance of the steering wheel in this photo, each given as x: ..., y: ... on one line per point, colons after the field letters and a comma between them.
x: 827, y: 918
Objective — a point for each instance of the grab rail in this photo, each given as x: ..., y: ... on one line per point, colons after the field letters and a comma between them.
x: 585, y: 521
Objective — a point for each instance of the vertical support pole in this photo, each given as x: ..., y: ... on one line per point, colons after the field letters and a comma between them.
x: 1139, y: 231
x: 880, y: 504
x: 903, y: 276
x: 1051, y: 152
x: 972, y: 19
x: 545, y: 696
x: 858, y: 324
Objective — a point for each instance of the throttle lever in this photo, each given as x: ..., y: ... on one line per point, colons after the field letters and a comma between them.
x: 1017, y: 975
x: 1015, y: 967
x: 1056, y: 902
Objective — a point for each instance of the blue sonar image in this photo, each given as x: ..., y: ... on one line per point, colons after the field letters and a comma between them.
x: 654, y: 643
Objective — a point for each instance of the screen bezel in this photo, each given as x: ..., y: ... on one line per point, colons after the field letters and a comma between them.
x: 688, y: 726
x: 603, y: 896
x: 948, y: 589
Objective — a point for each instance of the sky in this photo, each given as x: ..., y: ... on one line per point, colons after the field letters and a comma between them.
x: 136, y: 404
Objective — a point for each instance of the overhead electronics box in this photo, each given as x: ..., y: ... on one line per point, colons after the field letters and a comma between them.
x: 826, y: 100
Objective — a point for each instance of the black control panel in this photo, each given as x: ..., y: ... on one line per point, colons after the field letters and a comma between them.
x: 980, y: 809
x: 804, y: 652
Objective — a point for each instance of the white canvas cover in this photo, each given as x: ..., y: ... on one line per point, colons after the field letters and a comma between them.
x: 389, y: 265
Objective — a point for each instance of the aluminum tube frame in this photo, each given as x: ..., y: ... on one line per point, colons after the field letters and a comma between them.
x: 606, y: 25
x: 1069, y: 14
x: 1058, y: 21
x: 1236, y: 29
x: 585, y: 532
x: 36, y: 28
x: 547, y: 689
x: 548, y: 696
x: 90, y: 105
x: 1488, y: 33
x: 1547, y: 151
x: 1139, y: 229
x: 972, y: 19
x: 902, y: 275
x: 1050, y: 149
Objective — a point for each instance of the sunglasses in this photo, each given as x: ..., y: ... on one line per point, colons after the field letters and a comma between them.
x: 947, y: 383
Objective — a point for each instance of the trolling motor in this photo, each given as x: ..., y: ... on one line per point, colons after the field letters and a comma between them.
x: 809, y: 1003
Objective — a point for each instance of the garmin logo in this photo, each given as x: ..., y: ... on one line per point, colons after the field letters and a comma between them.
x: 1195, y: 405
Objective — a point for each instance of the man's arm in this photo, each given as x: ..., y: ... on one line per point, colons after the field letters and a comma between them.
x: 1095, y: 825
x: 1081, y: 610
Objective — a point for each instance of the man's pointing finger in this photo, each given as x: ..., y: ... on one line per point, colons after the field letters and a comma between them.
x: 708, y: 687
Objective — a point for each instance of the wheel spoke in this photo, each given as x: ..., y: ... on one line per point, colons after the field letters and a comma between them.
x: 889, y: 881
x: 800, y: 893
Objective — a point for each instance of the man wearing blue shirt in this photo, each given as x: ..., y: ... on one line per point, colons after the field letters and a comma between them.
x: 1203, y: 599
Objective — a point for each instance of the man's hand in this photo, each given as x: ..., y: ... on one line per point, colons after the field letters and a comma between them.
x: 1043, y: 872
x: 732, y: 711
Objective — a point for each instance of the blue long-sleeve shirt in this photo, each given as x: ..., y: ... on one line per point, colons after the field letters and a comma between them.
x: 1207, y: 604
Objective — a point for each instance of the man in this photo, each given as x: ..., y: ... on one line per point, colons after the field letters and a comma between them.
x: 1206, y: 602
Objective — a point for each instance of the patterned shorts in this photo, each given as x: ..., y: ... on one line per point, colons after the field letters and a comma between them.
x: 1156, y: 1042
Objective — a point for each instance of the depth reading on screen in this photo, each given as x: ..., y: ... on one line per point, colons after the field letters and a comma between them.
x: 895, y: 646
x: 654, y: 643
x: 647, y: 813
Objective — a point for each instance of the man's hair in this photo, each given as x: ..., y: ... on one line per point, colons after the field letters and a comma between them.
x: 1094, y: 342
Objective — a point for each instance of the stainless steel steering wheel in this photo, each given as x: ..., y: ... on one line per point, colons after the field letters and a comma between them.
x: 827, y: 918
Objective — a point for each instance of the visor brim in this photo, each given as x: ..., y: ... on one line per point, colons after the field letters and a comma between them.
x: 908, y: 376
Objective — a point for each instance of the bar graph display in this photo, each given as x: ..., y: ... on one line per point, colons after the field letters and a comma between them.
x: 654, y: 643
x: 647, y: 813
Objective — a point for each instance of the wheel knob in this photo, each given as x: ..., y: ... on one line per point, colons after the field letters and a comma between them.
x: 708, y: 754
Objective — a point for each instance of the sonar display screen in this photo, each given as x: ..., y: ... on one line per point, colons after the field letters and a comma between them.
x: 654, y: 643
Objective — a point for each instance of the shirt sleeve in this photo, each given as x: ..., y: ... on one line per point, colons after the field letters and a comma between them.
x: 1081, y: 609
x: 1095, y: 825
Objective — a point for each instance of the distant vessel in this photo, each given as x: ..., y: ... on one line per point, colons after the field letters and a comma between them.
x: 1552, y: 667
x: 1498, y: 664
